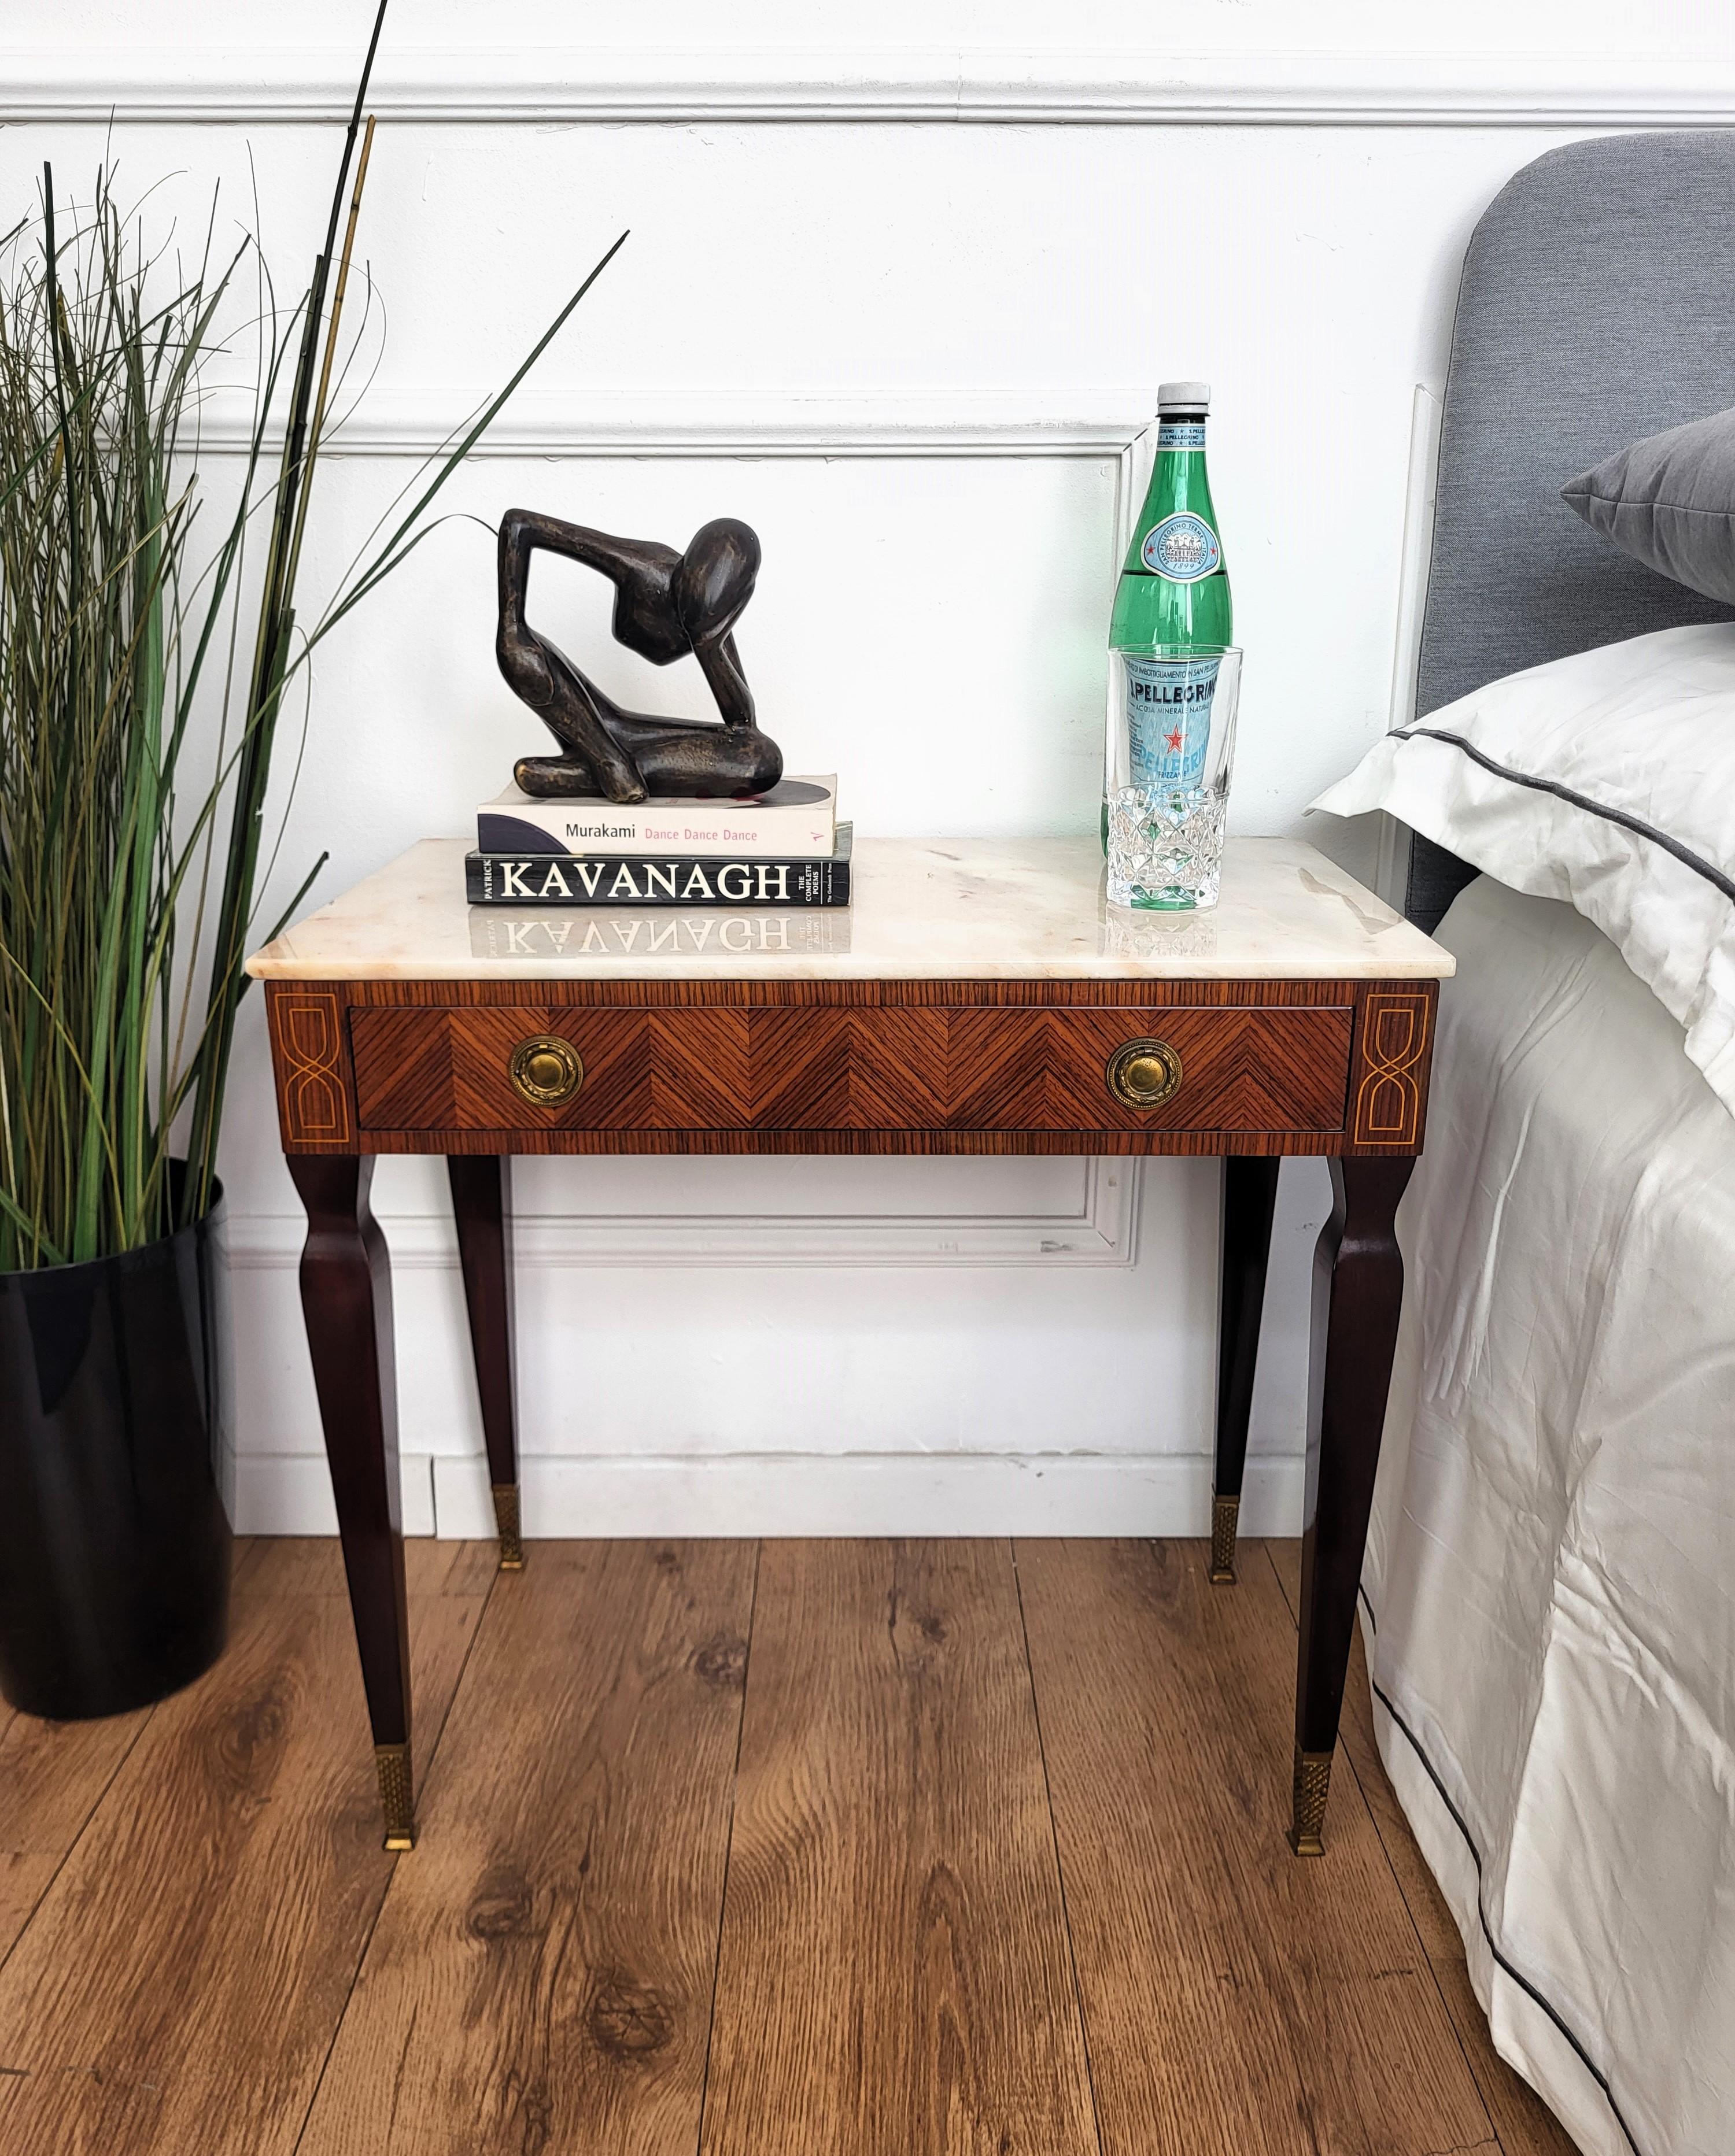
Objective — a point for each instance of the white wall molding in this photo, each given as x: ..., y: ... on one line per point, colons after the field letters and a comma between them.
x: 568, y: 86
x: 1101, y: 1229
x: 1426, y: 410
x: 420, y: 423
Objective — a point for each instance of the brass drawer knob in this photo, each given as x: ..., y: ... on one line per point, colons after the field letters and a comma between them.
x: 545, y: 1071
x: 1143, y: 1074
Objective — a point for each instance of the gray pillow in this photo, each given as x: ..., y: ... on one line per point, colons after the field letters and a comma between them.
x: 1669, y: 500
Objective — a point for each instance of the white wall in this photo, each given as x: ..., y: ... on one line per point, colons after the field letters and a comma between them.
x: 910, y: 352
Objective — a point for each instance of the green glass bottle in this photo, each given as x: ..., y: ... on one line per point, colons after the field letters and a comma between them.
x: 1174, y: 587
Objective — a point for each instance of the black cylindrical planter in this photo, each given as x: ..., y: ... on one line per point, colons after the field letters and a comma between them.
x: 114, y: 1543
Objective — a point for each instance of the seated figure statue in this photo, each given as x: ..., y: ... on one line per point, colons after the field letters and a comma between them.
x: 666, y: 605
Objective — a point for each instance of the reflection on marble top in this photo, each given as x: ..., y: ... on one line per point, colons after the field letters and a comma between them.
x: 924, y: 908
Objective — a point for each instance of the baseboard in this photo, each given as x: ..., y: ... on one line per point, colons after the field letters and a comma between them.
x: 790, y: 1494
x: 868, y: 1494
x: 278, y: 1493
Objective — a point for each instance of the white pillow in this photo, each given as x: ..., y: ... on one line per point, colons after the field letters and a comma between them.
x: 1607, y: 779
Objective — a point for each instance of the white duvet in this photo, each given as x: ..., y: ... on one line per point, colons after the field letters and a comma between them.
x: 1552, y: 1564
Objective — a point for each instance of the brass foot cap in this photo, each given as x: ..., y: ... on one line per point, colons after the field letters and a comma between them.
x: 397, y: 1794
x: 506, y: 1522
x: 1312, y: 1785
x: 1225, y: 1511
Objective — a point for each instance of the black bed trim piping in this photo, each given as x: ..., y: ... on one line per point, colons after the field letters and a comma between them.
x: 1670, y: 844
x: 1517, y: 1976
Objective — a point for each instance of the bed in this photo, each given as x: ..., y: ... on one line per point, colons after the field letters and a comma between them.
x: 1549, y: 1590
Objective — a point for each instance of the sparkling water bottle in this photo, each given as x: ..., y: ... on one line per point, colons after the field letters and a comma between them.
x: 1174, y: 591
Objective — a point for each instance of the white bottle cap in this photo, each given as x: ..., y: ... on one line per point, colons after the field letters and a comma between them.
x: 1183, y: 396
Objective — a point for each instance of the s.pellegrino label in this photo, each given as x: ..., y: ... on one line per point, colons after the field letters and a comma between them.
x: 1168, y: 721
x: 1182, y: 547
x: 1174, y: 587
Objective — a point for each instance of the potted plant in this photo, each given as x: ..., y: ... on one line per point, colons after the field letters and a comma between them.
x: 137, y: 729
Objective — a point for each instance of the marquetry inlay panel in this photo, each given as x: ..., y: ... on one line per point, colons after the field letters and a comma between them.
x: 308, y: 1048
x: 1391, y: 1073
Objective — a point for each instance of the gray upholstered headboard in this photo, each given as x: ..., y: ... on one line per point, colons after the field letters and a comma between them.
x: 1597, y: 305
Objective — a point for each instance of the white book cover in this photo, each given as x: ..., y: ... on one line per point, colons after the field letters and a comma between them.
x: 797, y: 818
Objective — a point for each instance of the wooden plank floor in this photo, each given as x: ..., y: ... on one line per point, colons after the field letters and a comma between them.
x: 895, y: 1972
x: 840, y: 1849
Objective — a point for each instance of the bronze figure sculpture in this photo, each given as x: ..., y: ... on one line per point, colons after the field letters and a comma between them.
x: 666, y: 604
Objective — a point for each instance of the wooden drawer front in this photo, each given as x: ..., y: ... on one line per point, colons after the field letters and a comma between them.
x: 430, y: 1069
x: 434, y: 1069
x: 990, y: 1068
x: 1242, y: 1069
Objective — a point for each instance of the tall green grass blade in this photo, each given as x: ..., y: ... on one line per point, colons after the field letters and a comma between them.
x: 131, y: 846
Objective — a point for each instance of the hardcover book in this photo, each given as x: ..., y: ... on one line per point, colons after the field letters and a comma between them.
x: 796, y: 820
x: 693, y: 881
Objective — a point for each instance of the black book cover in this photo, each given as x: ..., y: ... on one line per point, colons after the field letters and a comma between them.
x: 680, y: 880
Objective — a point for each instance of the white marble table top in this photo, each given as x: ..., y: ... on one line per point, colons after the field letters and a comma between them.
x: 923, y: 909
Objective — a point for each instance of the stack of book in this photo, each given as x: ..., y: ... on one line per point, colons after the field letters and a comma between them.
x: 783, y: 848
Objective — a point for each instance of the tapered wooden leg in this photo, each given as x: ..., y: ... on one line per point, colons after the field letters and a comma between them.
x: 1249, y: 1195
x: 1357, y: 1287
x: 481, y: 1207
x: 346, y: 1298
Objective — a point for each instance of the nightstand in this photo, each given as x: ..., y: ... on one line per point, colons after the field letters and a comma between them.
x: 977, y: 998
